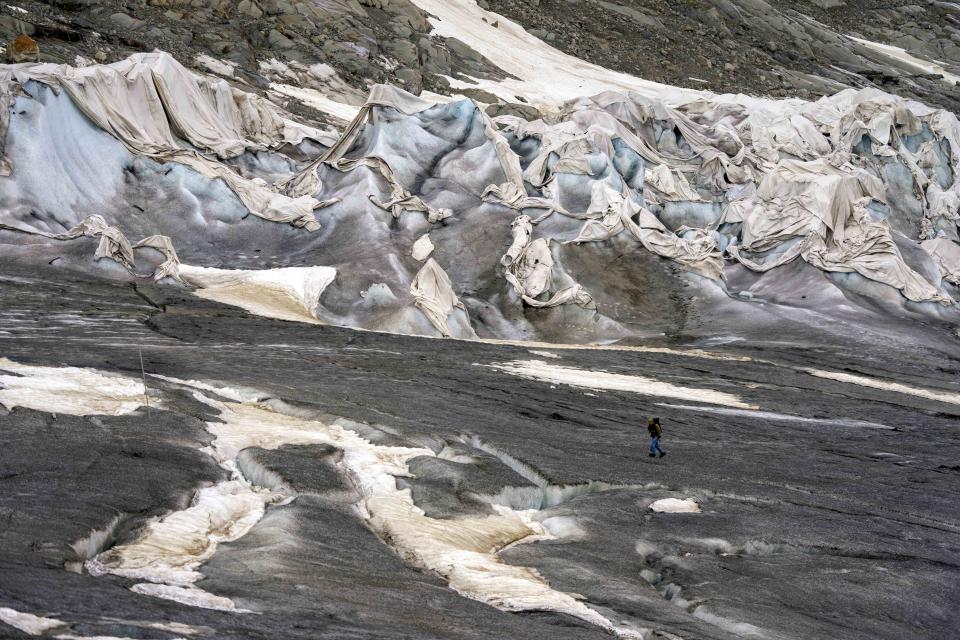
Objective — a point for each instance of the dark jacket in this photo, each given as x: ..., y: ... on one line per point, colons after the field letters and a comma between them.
x: 655, y: 429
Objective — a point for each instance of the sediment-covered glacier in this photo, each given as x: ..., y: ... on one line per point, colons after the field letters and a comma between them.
x: 262, y: 377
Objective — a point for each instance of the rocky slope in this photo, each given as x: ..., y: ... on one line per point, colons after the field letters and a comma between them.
x: 802, y: 48
x: 796, y: 49
x: 366, y: 42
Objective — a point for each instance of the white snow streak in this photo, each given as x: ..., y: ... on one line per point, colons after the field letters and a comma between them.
x: 317, y: 100
x: 885, y: 385
x: 900, y: 54
x: 220, y: 67
x: 40, y: 626
x: 558, y: 346
x: 601, y: 380
x: 778, y: 417
x: 545, y: 76
x: 173, y: 548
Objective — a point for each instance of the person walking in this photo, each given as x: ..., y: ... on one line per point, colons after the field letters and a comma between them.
x: 656, y: 432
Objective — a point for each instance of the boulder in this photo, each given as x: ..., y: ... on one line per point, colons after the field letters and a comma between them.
x: 250, y: 9
x: 23, y: 48
x: 404, y: 51
x: 126, y: 22
x: 279, y: 41
x: 410, y: 79
x: 433, y: 58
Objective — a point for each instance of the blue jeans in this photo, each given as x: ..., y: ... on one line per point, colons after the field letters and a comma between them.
x: 655, y: 445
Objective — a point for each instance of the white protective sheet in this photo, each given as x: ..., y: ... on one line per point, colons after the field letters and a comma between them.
x: 433, y: 294
x: 159, y: 109
x: 287, y: 293
x: 821, y: 211
x: 612, y: 213
x: 794, y: 179
x: 115, y: 245
x: 946, y: 253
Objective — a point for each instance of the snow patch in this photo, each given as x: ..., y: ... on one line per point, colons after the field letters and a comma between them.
x: 544, y: 75
x: 69, y: 390
x: 190, y: 596
x: 220, y: 67
x: 778, y: 417
x: 885, y: 385
x: 564, y: 527
x: 601, y: 380
x: 897, y: 53
x: 27, y: 622
x: 544, y: 354
x: 237, y: 394
x: 170, y: 554
x: 317, y: 86
x: 555, y: 346
x: 742, y: 629
x: 288, y: 293
x: 675, y: 505
x: 315, y: 99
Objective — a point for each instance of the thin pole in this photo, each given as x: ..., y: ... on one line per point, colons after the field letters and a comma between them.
x: 143, y: 376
